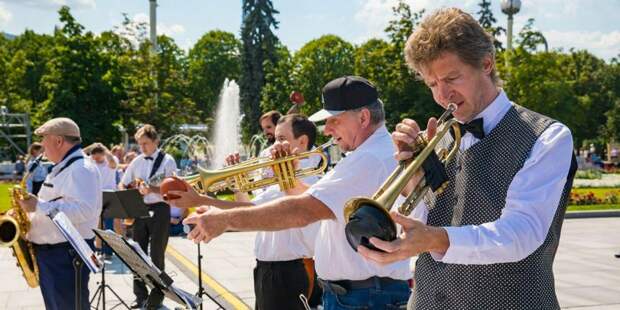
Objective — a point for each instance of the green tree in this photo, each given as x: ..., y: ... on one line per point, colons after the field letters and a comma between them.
x: 279, y: 82
x: 213, y: 58
x: 259, y: 44
x: 487, y: 21
x: 76, y: 84
x: 318, y: 62
x: 31, y: 53
x: 403, y: 95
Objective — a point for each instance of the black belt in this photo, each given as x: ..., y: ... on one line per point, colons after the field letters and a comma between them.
x: 51, y: 246
x: 61, y: 245
x: 341, y: 287
x: 278, y: 263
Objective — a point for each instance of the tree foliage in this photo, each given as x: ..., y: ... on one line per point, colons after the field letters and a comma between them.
x: 488, y: 21
x: 258, y: 45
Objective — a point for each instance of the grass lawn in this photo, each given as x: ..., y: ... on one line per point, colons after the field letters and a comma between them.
x: 5, y: 202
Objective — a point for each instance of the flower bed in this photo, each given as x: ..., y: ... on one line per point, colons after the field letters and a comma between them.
x: 594, y: 196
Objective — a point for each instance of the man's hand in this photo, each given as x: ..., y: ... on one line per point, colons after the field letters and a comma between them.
x: 209, y: 222
x: 30, y: 203
x: 404, y: 136
x: 414, y: 239
x: 233, y: 159
x: 187, y: 199
x: 144, y: 189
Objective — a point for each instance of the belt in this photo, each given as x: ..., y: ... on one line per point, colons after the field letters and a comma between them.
x: 51, y: 246
x: 263, y: 263
x: 341, y: 287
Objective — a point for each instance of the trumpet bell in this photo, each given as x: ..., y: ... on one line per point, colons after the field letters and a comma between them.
x: 366, y: 218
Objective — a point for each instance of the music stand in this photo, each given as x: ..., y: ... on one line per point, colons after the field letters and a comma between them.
x: 141, y: 265
x: 117, y: 204
x: 83, y: 255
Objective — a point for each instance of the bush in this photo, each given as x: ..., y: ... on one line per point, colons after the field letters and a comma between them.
x: 589, y: 174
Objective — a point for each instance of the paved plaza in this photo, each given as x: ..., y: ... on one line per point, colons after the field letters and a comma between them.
x: 587, y: 274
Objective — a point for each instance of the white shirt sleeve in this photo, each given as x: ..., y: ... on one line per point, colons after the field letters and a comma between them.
x: 531, y: 203
x: 81, y: 196
x: 128, y: 176
x: 358, y: 178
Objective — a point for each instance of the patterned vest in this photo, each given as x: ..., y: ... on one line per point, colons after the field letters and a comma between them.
x: 479, y: 181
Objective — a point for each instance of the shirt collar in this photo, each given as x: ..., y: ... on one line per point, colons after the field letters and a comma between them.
x: 154, y: 155
x: 76, y: 149
x: 494, y: 112
x: 370, y: 141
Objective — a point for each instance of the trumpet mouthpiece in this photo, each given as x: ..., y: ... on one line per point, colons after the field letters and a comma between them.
x: 452, y: 107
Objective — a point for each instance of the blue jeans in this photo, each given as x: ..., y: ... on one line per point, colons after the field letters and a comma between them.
x: 393, y: 296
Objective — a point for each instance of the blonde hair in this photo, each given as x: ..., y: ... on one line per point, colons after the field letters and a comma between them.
x: 450, y: 30
x: 148, y: 131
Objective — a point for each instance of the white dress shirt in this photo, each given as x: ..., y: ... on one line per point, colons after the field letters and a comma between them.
x: 360, y: 173
x: 108, y: 175
x: 76, y: 191
x: 288, y: 244
x: 140, y: 168
x: 532, y: 199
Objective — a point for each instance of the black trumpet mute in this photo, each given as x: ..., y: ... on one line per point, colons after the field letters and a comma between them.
x: 369, y: 220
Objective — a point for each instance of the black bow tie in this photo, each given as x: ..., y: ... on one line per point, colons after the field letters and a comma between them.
x: 474, y: 127
x: 148, y: 157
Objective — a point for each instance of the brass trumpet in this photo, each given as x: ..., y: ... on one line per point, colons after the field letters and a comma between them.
x: 246, y: 176
x: 369, y: 217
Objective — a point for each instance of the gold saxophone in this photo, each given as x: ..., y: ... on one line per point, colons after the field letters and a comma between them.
x: 13, y: 230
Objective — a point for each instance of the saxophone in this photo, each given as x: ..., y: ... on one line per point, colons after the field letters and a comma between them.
x: 13, y: 230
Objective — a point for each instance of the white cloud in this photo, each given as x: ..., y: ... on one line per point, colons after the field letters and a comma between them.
x: 162, y: 28
x: 603, y: 44
x: 374, y: 15
x: 5, y: 15
x: 54, y: 4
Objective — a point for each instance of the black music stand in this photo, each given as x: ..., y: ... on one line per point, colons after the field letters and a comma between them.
x: 117, y: 205
x: 141, y: 265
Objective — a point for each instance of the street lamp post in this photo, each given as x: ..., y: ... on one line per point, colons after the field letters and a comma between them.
x: 509, y: 7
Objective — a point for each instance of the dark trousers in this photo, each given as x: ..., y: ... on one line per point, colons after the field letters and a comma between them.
x: 152, y: 232
x: 277, y: 285
x: 57, y: 277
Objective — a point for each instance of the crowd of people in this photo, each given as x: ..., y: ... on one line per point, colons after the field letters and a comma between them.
x: 487, y: 241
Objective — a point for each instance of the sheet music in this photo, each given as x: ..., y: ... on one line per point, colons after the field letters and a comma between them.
x: 76, y: 240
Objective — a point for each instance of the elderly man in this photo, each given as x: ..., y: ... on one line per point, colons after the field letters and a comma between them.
x: 72, y: 187
x: 490, y: 237
x: 355, y: 120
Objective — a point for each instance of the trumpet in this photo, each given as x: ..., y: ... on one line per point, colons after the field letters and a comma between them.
x: 369, y: 217
x: 246, y: 176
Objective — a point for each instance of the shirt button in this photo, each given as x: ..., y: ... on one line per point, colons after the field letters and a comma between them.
x: 440, y: 297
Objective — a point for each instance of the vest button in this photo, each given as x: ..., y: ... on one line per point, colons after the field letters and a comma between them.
x: 440, y: 297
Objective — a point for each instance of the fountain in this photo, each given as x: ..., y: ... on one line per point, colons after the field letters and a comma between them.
x: 226, y: 133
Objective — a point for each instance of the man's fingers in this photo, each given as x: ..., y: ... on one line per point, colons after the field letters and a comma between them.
x: 431, y: 127
x: 403, y: 155
x: 387, y: 246
x: 379, y: 257
x: 404, y: 221
x: 403, y: 138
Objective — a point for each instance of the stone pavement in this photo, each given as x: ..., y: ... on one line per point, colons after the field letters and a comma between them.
x: 16, y: 295
x: 587, y: 274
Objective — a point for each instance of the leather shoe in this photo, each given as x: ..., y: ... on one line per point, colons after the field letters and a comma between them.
x: 137, y: 304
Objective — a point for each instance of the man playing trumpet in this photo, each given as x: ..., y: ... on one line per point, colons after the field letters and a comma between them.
x: 488, y: 240
x: 280, y: 276
x: 355, y: 120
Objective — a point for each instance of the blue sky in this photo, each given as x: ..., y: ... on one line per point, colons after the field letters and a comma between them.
x: 583, y: 24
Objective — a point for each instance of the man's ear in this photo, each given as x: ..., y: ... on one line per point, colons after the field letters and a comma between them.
x: 303, y: 140
x: 365, y: 118
x: 487, y: 64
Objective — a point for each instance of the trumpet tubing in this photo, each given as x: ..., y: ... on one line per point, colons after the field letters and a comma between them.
x: 369, y: 217
x: 246, y: 176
